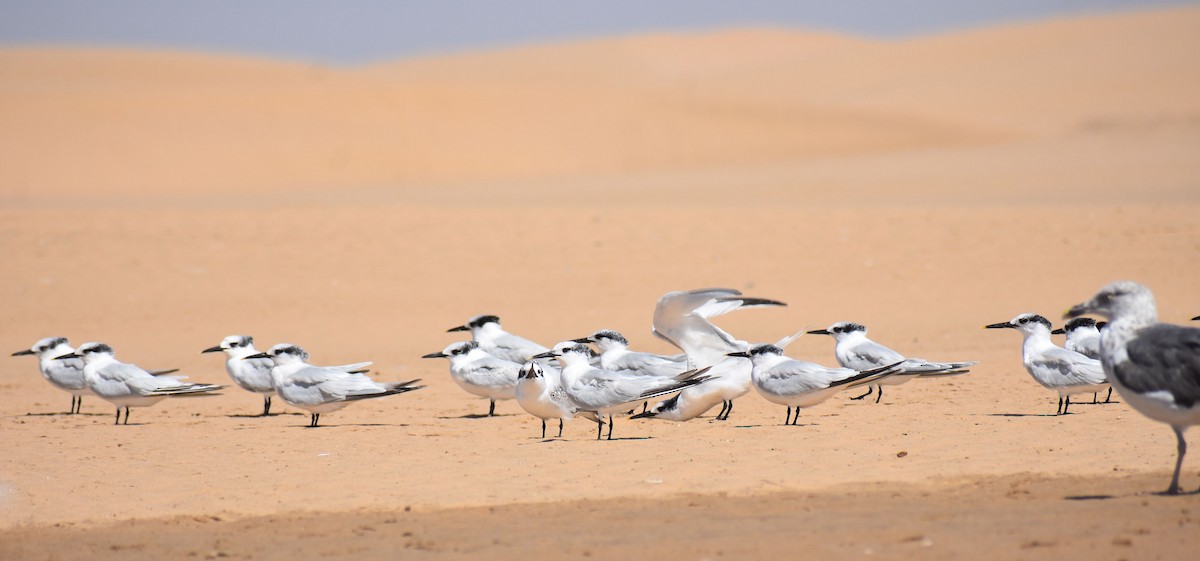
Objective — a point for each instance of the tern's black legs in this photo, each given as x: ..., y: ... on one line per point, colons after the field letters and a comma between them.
x: 727, y: 408
x: 559, y: 429
x: 788, y: 419
x: 1109, y: 398
x: 72, y: 410
x: 721, y: 415
x: 1181, y: 450
x: 878, y: 393
x: 266, y: 405
x: 79, y: 404
x: 869, y: 390
x: 126, y: 415
x: 491, y: 408
x: 1095, y: 399
x: 316, y: 417
x: 1063, y: 405
x: 600, y: 428
x: 610, y: 426
x: 118, y: 421
x: 544, y: 428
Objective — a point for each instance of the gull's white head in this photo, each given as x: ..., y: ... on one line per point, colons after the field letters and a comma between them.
x: 48, y: 347
x: 1121, y: 299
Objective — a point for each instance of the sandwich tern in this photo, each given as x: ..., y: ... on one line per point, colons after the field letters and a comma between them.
x: 607, y: 391
x: 855, y: 350
x: 1052, y: 366
x: 65, y: 374
x: 540, y: 393
x: 323, y: 389
x: 1083, y: 337
x: 480, y: 373
x: 494, y: 340
x: 252, y: 375
x: 801, y: 384
x: 1154, y: 366
x: 126, y: 385
x: 615, y: 355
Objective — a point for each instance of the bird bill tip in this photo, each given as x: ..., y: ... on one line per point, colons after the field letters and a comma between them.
x: 997, y: 325
x: 819, y: 332
x: 212, y: 350
x: 435, y: 355
x: 23, y: 352
x: 458, y: 328
x: 742, y: 354
x: 547, y: 354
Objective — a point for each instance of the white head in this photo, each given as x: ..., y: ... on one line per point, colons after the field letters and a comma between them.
x: 234, y: 345
x: 477, y: 324
x: 1027, y: 323
x: 1120, y: 300
x: 760, y: 353
x: 456, y: 351
x: 283, y: 353
x: 48, y: 347
x: 530, y: 370
x: 1077, y: 327
x: 91, y: 352
x: 607, y: 340
x: 842, y: 330
x: 568, y: 353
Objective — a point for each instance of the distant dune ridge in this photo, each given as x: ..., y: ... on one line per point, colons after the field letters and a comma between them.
x: 826, y: 116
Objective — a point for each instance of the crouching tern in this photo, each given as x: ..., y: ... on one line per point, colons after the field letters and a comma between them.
x: 800, y: 384
x: 1154, y: 366
x: 854, y: 350
x: 1055, y: 368
x: 252, y: 375
x: 126, y: 385
x: 323, y: 389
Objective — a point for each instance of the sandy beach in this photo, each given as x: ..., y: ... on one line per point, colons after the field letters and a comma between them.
x: 925, y: 187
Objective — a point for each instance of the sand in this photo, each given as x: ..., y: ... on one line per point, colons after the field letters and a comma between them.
x: 926, y: 187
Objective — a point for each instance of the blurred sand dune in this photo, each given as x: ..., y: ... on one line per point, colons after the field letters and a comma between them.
x: 769, y: 107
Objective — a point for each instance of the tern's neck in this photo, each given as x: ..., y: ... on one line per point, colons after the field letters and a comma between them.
x: 487, y: 332
x: 1036, y: 340
x: 241, y: 352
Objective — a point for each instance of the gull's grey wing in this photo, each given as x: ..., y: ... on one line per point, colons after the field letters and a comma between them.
x: 1163, y: 358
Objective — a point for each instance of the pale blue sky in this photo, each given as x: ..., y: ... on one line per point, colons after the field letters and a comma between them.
x: 359, y: 31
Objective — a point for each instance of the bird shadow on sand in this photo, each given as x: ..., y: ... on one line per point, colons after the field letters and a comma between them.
x: 1131, y: 496
x: 1028, y: 414
x: 349, y: 425
x: 63, y: 414
x: 260, y: 415
x: 480, y: 416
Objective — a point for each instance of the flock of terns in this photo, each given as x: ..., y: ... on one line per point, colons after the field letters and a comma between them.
x: 1154, y: 366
